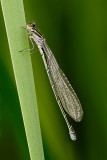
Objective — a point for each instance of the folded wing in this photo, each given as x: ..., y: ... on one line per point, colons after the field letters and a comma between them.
x: 62, y: 88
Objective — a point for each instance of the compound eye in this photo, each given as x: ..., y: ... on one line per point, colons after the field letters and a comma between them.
x: 33, y: 24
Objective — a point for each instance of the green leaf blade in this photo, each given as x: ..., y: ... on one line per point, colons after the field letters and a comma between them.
x: 14, y: 17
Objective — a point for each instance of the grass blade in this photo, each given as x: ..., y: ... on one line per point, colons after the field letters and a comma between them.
x: 13, y: 12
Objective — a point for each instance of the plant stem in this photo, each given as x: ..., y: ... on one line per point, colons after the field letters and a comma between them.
x: 14, y: 17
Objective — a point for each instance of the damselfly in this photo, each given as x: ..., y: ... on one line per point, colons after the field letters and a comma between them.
x: 64, y: 93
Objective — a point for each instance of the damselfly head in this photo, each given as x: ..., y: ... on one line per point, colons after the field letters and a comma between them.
x: 30, y: 25
x: 31, y: 28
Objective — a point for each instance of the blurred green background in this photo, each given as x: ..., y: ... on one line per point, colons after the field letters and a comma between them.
x: 76, y: 32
